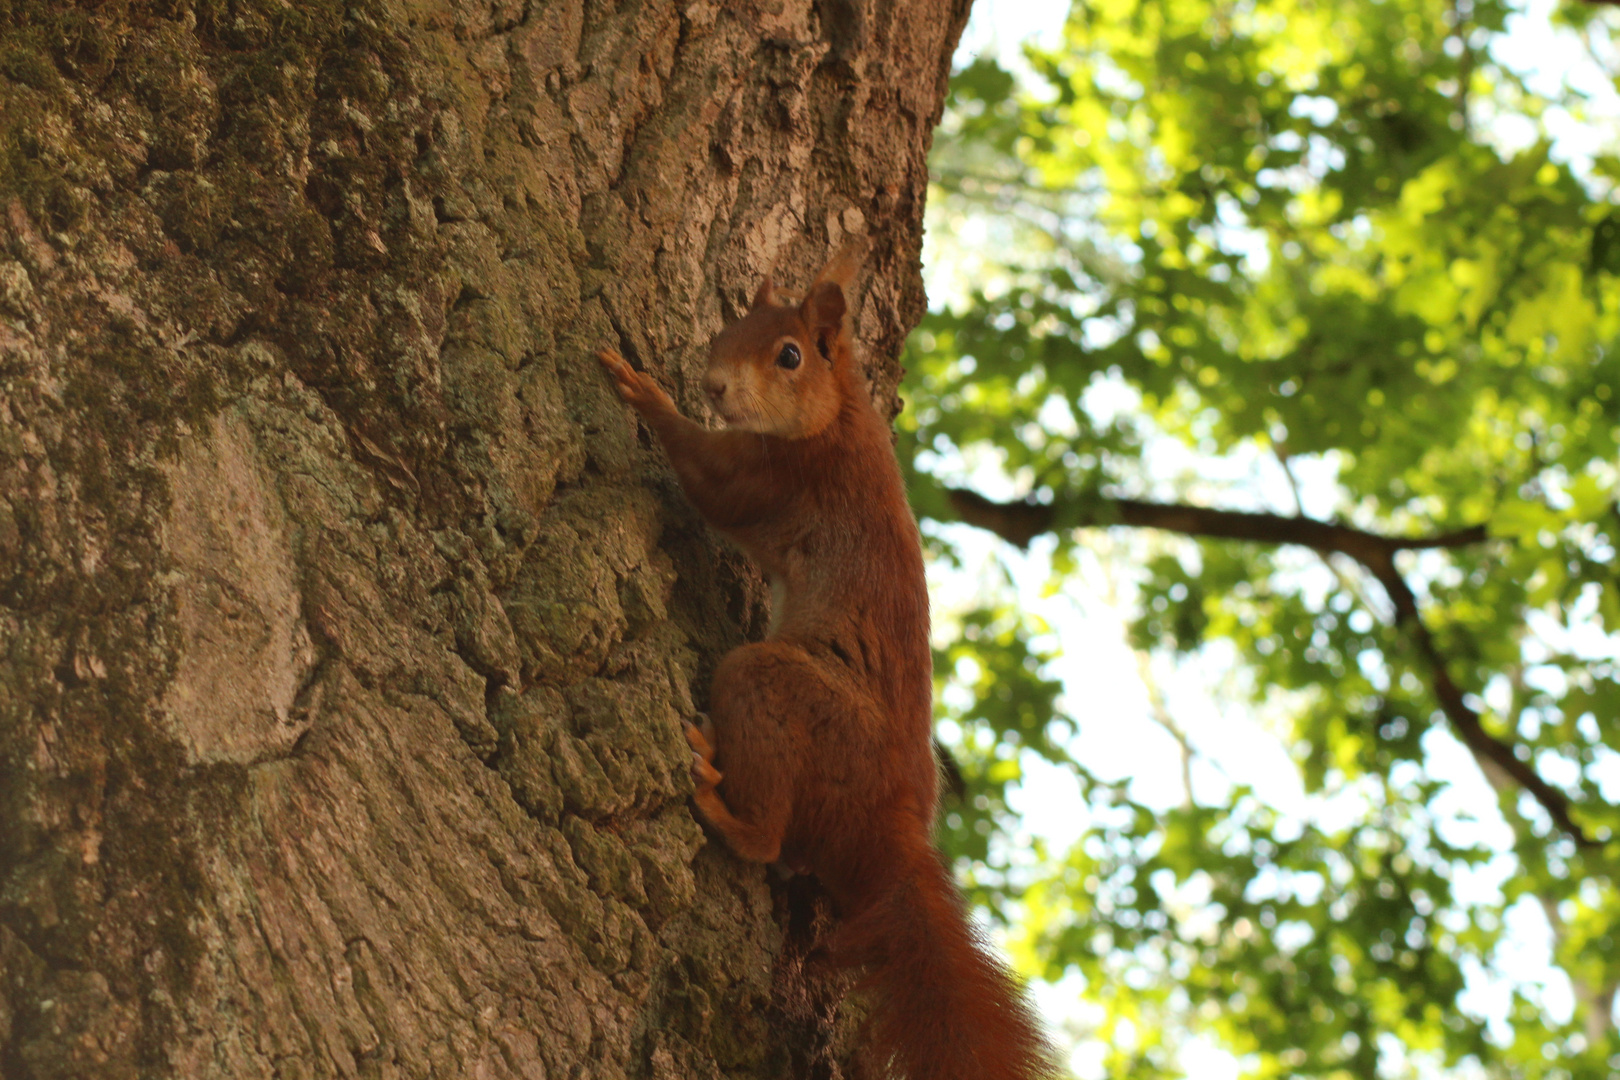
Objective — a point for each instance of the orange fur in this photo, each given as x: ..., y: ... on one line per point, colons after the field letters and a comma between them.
x: 819, y: 753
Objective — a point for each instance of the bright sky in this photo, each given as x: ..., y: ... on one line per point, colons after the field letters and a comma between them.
x: 1104, y: 688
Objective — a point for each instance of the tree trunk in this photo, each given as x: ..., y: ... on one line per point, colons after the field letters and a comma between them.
x: 347, y: 625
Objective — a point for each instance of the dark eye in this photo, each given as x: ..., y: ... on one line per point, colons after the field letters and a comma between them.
x: 789, y: 357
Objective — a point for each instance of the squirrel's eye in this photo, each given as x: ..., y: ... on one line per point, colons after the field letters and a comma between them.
x: 789, y: 357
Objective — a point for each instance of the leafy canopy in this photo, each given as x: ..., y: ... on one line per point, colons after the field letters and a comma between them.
x: 1284, y: 231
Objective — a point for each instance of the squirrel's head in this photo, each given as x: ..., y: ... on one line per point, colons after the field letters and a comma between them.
x: 776, y: 370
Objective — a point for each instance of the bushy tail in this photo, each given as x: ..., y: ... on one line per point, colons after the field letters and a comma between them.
x: 945, y: 1009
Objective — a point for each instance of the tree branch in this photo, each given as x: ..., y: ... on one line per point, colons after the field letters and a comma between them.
x: 1020, y: 522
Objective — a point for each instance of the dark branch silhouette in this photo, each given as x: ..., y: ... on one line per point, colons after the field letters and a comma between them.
x: 1020, y: 522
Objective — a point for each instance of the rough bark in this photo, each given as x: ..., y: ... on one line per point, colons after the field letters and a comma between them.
x: 346, y: 624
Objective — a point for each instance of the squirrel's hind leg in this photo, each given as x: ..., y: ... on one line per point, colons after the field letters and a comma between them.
x: 759, y: 705
x: 747, y: 840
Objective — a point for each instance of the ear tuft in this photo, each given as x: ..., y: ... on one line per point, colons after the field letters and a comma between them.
x: 765, y: 295
x: 823, y: 312
x: 846, y: 261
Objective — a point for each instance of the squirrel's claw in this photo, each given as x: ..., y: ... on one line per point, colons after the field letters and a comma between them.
x: 704, y: 775
x: 625, y: 378
x: 634, y: 386
x: 701, y: 736
x: 700, y: 739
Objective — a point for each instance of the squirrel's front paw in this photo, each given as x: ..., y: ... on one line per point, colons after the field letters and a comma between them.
x: 633, y: 386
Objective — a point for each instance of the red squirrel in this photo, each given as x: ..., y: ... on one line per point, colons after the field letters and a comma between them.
x: 817, y: 749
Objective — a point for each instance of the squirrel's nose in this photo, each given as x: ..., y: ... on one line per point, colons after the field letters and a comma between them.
x: 715, y: 387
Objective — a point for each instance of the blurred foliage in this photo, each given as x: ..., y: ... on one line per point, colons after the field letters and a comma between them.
x: 1287, y: 230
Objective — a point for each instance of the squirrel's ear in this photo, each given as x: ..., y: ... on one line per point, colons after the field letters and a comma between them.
x: 823, y: 312
x: 846, y: 261
x: 765, y: 295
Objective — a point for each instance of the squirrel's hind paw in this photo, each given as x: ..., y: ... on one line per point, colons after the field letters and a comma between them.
x: 704, y: 775
x: 701, y: 740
